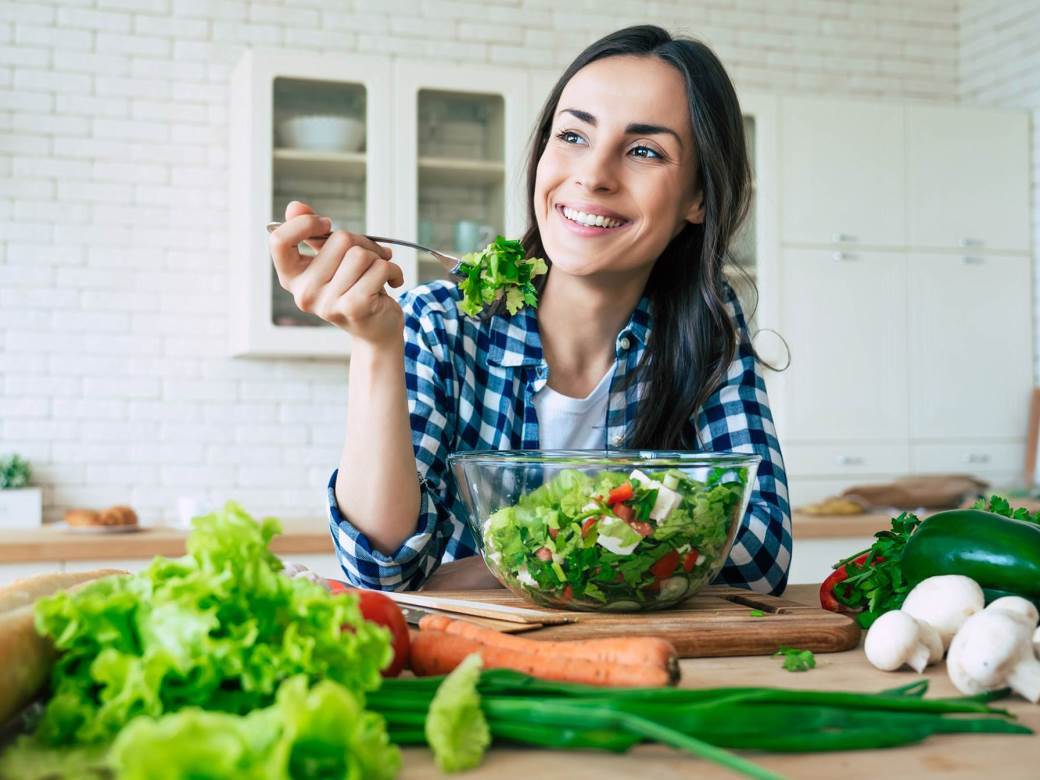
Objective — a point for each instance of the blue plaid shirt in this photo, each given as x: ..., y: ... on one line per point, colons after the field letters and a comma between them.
x: 471, y: 386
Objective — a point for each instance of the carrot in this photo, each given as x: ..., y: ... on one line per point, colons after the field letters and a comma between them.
x: 634, y: 651
x: 438, y: 652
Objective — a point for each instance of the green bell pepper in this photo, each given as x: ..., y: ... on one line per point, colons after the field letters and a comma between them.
x: 997, y: 552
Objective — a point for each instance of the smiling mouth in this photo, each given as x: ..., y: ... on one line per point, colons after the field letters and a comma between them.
x: 591, y: 220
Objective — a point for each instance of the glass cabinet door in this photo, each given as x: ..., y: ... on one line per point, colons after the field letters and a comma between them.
x: 459, y: 134
x: 461, y: 174
x: 307, y: 127
x: 319, y: 158
x: 744, y: 246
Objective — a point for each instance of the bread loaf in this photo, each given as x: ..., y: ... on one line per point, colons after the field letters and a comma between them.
x: 25, y: 656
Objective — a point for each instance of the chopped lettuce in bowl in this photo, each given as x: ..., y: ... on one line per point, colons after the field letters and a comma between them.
x: 619, y: 530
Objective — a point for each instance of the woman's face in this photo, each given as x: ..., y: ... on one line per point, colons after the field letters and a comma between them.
x: 616, y: 181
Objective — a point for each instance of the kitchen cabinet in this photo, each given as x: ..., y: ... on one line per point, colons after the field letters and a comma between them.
x: 967, y: 177
x: 916, y: 338
x: 347, y: 178
x: 970, y: 344
x: 458, y: 136
x: 843, y: 314
x: 442, y: 145
x: 842, y: 171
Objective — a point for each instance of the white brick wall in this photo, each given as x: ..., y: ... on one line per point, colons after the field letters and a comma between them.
x: 1000, y: 66
x: 113, y: 247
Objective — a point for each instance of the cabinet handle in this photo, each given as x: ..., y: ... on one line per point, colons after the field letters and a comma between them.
x: 849, y: 460
x: 971, y: 242
x: 842, y: 256
x: 977, y: 457
x: 843, y: 238
x: 974, y: 260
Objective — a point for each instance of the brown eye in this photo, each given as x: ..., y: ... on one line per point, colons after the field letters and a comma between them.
x: 569, y: 137
x: 646, y: 152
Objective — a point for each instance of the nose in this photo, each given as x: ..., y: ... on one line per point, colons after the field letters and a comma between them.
x: 596, y: 172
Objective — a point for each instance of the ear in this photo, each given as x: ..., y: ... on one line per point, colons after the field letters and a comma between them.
x: 695, y: 214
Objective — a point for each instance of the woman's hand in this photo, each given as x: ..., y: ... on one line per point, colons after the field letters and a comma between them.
x: 344, y: 283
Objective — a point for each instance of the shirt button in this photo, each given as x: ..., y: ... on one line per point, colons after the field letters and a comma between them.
x: 625, y: 343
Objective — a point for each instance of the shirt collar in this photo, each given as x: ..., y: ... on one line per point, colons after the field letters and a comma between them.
x: 515, y: 341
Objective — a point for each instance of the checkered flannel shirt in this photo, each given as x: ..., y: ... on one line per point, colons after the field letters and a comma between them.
x: 471, y: 386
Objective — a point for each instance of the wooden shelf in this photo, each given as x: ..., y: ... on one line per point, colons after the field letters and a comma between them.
x: 301, y: 162
x: 446, y: 170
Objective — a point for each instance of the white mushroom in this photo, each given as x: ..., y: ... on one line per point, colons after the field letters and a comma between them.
x: 1022, y: 609
x: 993, y: 650
x: 945, y: 602
x: 897, y: 638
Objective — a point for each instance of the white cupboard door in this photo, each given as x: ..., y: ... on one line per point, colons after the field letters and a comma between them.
x: 458, y: 140
x: 841, y: 172
x: 270, y: 163
x: 844, y: 319
x: 967, y: 177
x: 970, y: 346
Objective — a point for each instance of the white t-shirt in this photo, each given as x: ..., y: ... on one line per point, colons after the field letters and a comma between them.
x: 566, y: 423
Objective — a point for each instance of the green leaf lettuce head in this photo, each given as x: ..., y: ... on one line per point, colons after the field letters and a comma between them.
x: 320, y: 733
x: 500, y: 269
x: 218, y: 629
x: 456, y: 729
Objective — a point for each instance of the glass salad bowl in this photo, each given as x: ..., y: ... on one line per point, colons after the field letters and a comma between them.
x: 617, y: 530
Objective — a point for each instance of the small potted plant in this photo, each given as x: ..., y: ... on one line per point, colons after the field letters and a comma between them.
x: 21, y: 506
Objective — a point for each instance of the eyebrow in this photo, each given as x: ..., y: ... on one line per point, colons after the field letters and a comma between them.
x: 634, y: 128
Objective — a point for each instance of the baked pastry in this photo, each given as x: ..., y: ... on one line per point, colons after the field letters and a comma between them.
x: 117, y: 515
x: 81, y: 517
x: 113, y: 516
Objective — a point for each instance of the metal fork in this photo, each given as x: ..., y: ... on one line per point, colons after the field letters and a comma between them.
x: 450, y: 263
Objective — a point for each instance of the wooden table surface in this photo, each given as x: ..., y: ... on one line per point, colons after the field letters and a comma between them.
x: 994, y: 757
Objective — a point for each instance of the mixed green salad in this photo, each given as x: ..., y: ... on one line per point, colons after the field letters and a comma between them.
x: 618, y: 541
x: 500, y: 269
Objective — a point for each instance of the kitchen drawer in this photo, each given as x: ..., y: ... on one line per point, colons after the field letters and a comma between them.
x: 825, y: 460
x: 968, y: 457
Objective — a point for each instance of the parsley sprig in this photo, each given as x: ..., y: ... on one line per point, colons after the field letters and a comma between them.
x: 876, y: 585
x: 796, y: 660
x: 1001, y: 506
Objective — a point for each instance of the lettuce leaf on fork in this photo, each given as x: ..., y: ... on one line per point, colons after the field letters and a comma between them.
x: 500, y: 269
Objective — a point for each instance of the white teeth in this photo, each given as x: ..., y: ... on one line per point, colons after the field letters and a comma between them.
x: 591, y: 220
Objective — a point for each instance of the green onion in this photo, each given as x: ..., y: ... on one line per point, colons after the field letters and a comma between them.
x: 703, y: 722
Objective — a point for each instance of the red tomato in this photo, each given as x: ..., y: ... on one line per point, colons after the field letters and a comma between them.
x: 587, y: 525
x: 625, y: 512
x: 689, y: 560
x: 622, y: 492
x: 381, y: 610
x: 665, y: 565
x: 568, y: 591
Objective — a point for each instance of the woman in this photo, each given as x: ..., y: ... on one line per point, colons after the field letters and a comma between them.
x: 637, y: 182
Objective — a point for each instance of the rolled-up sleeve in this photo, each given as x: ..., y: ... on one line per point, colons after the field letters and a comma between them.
x: 737, y: 418
x: 430, y: 408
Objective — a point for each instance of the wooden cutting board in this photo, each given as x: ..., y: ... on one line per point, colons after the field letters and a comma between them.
x: 718, y: 621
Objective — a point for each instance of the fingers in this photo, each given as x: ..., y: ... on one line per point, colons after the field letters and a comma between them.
x: 363, y: 296
x: 295, y: 208
x: 285, y: 240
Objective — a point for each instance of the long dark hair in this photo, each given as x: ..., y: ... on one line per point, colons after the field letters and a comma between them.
x: 693, y: 339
